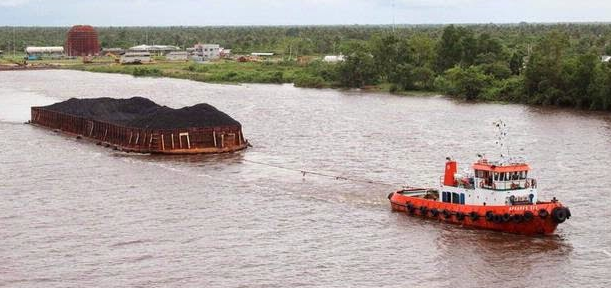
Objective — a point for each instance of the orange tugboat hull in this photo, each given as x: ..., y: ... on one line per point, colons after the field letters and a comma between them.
x: 541, y: 218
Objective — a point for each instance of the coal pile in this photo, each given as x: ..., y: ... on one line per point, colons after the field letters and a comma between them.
x: 138, y: 112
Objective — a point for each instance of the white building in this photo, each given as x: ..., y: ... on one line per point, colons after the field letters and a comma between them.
x: 333, y: 58
x: 205, y: 52
x: 136, y: 58
x: 225, y: 53
x: 177, y: 56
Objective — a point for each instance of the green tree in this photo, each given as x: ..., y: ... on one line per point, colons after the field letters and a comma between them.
x: 358, y: 68
x: 466, y: 83
x: 516, y: 63
x: 449, y: 49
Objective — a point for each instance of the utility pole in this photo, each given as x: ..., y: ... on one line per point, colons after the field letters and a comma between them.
x: 393, y: 16
x: 13, y: 41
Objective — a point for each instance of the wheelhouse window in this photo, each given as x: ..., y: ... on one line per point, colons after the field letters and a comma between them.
x: 455, y: 198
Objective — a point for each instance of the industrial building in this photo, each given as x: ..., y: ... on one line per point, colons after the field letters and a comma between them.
x: 116, y: 51
x: 155, y: 49
x: 38, y: 53
x: 136, y: 58
x: 82, y: 40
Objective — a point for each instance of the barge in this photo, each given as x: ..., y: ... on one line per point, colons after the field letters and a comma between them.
x: 140, y: 125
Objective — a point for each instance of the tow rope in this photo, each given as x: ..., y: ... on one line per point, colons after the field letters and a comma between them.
x: 320, y: 174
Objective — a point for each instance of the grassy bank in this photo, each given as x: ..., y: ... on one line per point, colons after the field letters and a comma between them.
x: 214, y: 72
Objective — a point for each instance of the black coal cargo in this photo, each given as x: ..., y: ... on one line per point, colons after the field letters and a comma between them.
x: 140, y: 125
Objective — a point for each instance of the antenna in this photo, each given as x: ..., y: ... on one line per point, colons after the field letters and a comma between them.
x: 501, y: 128
x: 393, y: 16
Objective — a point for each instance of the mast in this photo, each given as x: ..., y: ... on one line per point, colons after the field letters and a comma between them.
x: 501, y: 128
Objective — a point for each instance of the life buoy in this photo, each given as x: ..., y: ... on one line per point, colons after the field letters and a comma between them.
x: 560, y: 214
x: 412, y: 210
x: 528, y: 216
x: 423, y: 210
x: 517, y: 218
x: 434, y: 212
x: 474, y: 216
x: 497, y: 218
x: 489, y: 216
x: 447, y: 214
x: 506, y: 217
x: 409, y: 207
x: 543, y: 213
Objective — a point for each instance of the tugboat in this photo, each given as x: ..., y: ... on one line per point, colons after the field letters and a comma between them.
x: 495, y: 195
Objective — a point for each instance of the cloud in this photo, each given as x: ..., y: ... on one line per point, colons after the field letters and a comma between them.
x: 434, y: 3
x: 13, y: 3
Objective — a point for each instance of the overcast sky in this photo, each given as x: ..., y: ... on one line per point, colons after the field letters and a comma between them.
x: 295, y: 12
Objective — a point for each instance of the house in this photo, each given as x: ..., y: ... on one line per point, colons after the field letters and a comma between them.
x: 225, y: 53
x: 206, y: 52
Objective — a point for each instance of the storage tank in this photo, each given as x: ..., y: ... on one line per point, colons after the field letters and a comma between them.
x: 82, y: 40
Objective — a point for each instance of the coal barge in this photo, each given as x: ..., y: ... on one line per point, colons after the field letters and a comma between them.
x: 140, y: 125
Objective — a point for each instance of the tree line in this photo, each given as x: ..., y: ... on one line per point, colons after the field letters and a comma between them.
x: 557, y: 67
x: 549, y: 64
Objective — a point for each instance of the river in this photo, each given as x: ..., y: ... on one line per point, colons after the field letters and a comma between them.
x: 74, y: 214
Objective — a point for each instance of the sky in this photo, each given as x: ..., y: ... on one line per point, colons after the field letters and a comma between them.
x: 295, y: 12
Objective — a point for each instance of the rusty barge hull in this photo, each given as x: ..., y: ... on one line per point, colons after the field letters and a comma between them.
x: 207, y: 140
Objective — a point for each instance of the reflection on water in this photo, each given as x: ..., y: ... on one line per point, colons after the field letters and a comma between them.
x: 77, y: 214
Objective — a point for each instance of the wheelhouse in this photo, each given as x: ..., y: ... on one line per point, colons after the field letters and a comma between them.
x: 489, y: 183
x: 497, y: 176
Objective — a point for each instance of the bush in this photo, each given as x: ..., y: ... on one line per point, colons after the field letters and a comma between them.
x: 467, y: 83
x: 309, y: 81
x: 144, y: 71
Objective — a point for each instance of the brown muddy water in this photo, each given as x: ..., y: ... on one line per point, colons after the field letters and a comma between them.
x: 73, y: 214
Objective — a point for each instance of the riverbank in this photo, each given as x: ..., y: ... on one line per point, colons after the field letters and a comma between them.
x: 231, y: 72
x: 213, y: 72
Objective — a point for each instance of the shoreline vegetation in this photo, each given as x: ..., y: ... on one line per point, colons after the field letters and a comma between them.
x: 540, y: 64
